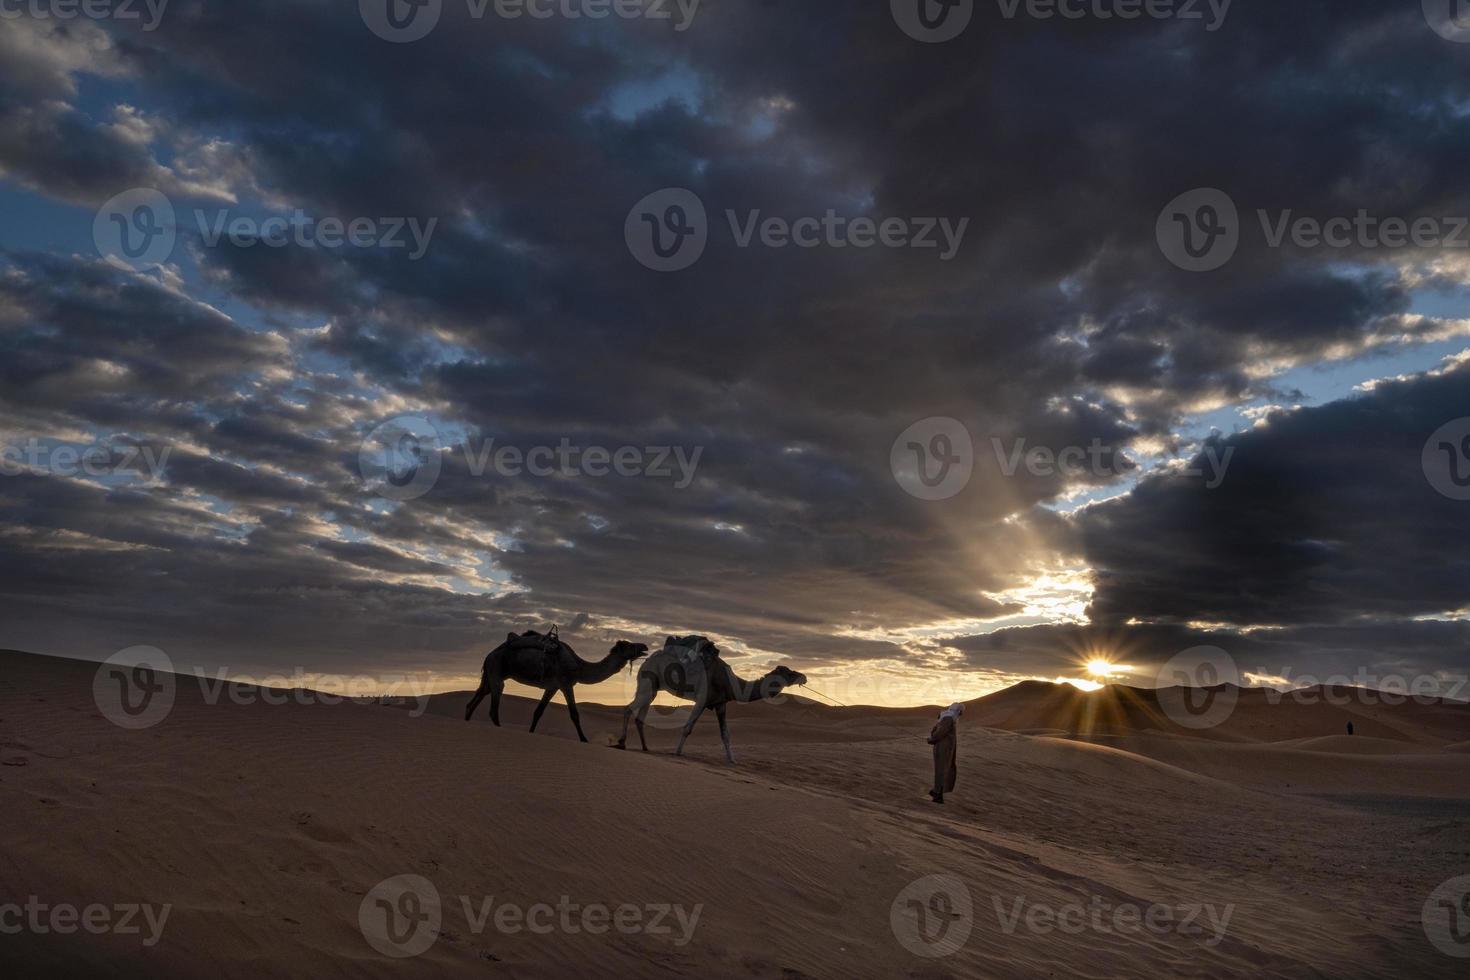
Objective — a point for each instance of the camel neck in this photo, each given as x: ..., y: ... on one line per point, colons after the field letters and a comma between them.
x: 596, y: 673
x: 756, y: 690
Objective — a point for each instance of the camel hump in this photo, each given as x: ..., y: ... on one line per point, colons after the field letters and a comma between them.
x: 689, y: 666
x: 537, y: 653
x: 692, y: 648
x: 531, y: 640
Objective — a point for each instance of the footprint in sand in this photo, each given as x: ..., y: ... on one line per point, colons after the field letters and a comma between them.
x: 318, y: 832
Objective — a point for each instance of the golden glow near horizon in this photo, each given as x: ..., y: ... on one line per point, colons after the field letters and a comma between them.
x: 1099, y: 671
x: 890, y: 684
x: 886, y: 686
x: 928, y: 672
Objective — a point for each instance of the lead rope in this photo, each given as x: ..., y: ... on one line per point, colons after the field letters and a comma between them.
x: 823, y: 696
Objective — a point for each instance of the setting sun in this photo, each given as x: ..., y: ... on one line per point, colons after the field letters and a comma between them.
x: 1102, y: 669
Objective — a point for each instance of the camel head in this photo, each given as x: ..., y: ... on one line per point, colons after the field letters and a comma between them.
x: 779, y: 679
x: 625, y: 651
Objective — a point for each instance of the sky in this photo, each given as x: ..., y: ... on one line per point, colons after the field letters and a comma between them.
x: 377, y: 448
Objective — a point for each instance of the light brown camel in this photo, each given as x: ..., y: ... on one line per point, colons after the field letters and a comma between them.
x: 690, y: 668
x: 545, y: 661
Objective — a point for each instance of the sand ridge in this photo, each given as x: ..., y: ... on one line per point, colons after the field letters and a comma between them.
x: 265, y: 827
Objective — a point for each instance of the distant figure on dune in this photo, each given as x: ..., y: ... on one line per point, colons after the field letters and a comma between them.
x: 1350, y: 728
x: 945, y: 738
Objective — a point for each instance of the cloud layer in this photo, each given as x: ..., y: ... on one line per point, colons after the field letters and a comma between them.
x: 791, y: 371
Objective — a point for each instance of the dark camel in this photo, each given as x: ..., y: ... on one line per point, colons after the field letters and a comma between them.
x: 690, y: 668
x: 550, y: 664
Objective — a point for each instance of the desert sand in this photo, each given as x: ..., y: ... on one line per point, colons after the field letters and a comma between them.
x: 265, y: 827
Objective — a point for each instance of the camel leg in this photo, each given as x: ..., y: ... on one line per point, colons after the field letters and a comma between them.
x: 689, y: 727
x: 479, y: 696
x: 566, y: 692
x: 622, y: 742
x: 638, y: 720
x: 545, y: 700
x: 638, y: 707
x: 496, y: 687
x: 724, y: 733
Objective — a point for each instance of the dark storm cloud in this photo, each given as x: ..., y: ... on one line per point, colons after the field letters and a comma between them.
x: 79, y: 339
x: 44, y: 140
x: 1058, y: 321
x: 549, y: 174
x: 1325, y: 515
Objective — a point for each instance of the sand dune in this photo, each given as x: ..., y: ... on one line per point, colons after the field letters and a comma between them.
x: 1356, y: 745
x: 1257, y: 715
x: 267, y: 828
